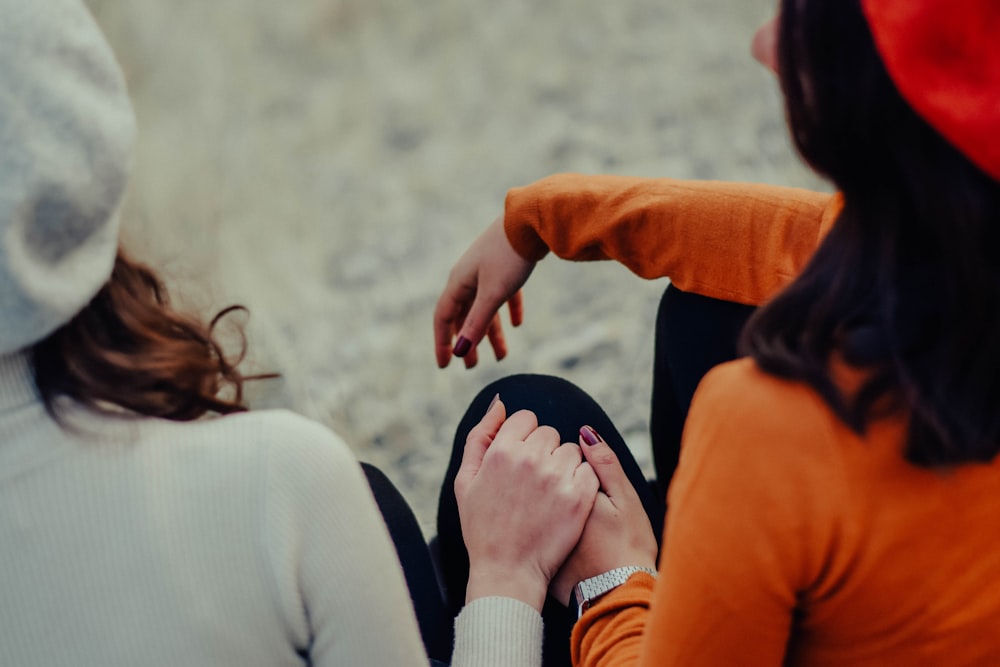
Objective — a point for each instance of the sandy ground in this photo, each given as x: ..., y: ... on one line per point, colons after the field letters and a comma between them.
x: 324, y: 162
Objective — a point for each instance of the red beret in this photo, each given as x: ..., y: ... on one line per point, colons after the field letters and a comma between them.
x: 944, y: 57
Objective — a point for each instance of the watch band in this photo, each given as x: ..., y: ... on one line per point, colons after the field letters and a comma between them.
x: 590, y: 589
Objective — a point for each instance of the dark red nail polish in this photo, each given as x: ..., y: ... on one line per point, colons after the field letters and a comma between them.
x: 589, y: 435
x: 462, y: 346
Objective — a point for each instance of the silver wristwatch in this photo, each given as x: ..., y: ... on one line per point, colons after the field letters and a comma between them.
x: 590, y: 589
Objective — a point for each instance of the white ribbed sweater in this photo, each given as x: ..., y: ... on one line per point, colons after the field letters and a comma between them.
x: 238, y: 541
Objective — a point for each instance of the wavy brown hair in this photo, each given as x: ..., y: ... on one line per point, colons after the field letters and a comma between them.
x: 130, y: 349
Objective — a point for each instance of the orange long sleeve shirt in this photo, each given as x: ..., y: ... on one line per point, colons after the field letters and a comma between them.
x: 791, y: 540
x: 731, y: 241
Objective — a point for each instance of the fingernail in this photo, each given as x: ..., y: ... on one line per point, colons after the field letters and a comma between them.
x: 462, y: 346
x: 589, y: 435
x: 492, y: 403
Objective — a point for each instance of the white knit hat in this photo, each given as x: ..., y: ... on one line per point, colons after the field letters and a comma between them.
x: 67, y: 132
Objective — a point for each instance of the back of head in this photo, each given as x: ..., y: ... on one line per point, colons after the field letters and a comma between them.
x: 869, y: 128
x: 907, y: 284
x: 99, y: 326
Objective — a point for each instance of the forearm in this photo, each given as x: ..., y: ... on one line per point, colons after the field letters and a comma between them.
x: 733, y: 241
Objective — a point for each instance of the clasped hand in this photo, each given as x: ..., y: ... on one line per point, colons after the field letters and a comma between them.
x: 538, y: 516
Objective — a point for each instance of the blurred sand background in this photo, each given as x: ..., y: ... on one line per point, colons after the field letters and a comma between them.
x: 324, y: 162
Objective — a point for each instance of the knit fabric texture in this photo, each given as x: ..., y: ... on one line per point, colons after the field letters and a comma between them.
x: 67, y: 129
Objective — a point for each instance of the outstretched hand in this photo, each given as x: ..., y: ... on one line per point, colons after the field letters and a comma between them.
x: 618, y: 532
x: 489, y: 274
x: 523, y: 499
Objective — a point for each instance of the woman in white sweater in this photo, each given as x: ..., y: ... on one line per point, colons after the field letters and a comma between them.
x: 133, y: 531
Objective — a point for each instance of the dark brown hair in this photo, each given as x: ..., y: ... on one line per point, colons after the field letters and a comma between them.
x: 129, y: 349
x: 907, y: 284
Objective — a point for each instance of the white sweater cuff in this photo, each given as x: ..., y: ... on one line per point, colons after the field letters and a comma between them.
x: 498, y: 632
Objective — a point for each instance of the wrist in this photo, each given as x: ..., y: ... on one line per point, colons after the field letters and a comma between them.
x: 518, y: 582
x: 586, y: 592
x: 520, y: 211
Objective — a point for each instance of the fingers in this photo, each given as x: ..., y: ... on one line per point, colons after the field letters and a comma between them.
x: 471, y: 358
x: 571, y: 455
x: 478, y: 442
x: 605, y: 463
x: 448, y: 316
x: 515, y: 306
x: 590, y: 468
x: 545, y: 438
x: 518, y: 426
x: 565, y: 460
x: 477, y: 323
x: 586, y: 476
x: 497, y: 340
x: 454, y: 314
x: 442, y: 338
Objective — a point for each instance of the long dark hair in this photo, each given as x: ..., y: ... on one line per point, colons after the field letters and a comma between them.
x: 129, y: 349
x: 907, y: 284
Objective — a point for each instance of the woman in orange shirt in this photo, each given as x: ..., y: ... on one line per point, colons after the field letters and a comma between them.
x: 836, y: 500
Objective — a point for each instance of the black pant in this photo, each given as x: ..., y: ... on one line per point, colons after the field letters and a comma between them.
x: 418, y: 569
x: 693, y: 334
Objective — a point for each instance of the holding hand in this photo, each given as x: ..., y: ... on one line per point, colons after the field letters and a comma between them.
x: 523, y: 499
x: 617, y: 533
x: 489, y: 274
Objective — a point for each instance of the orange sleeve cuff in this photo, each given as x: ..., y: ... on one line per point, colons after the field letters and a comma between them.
x: 609, y: 634
x: 521, y: 216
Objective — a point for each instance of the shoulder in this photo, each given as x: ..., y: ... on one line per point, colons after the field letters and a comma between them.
x: 764, y: 464
x: 276, y: 443
x: 290, y: 442
x: 755, y: 423
x: 286, y: 429
x: 250, y: 430
x: 302, y: 473
x: 739, y: 393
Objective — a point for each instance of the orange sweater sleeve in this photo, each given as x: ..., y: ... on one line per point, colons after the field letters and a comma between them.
x: 734, y: 241
x: 610, y: 633
x: 753, y: 518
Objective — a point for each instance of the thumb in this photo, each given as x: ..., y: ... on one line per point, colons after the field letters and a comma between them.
x: 604, y: 462
x: 477, y: 322
x: 479, y: 440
